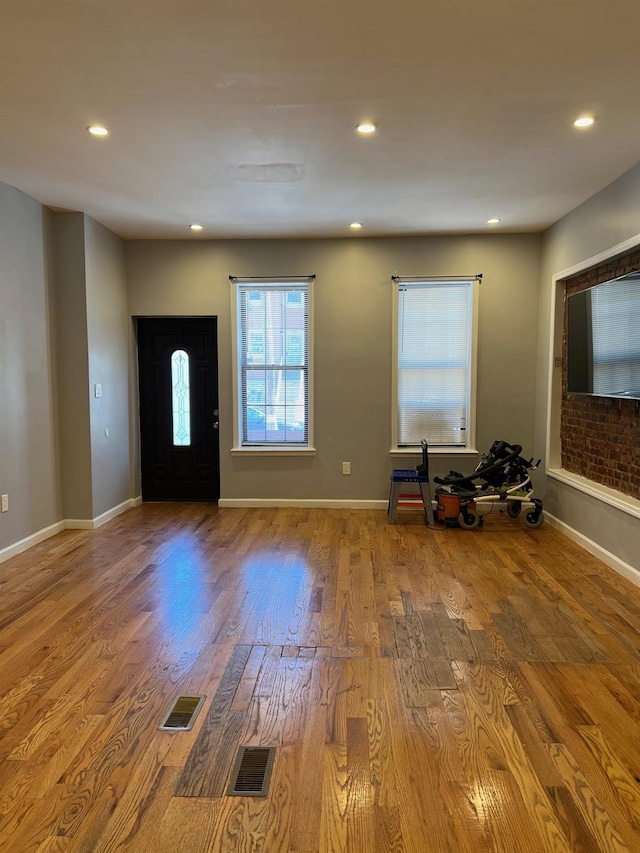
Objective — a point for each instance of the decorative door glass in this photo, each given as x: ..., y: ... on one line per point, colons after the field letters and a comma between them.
x: 180, y: 399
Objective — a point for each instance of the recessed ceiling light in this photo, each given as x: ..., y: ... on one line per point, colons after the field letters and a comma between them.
x: 195, y: 227
x: 493, y: 221
x: 356, y: 225
x: 367, y: 127
x: 98, y: 130
x: 584, y: 121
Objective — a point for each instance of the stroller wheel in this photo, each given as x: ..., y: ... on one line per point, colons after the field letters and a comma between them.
x: 534, y: 519
x: 513, y: 509
x: 468, y: 519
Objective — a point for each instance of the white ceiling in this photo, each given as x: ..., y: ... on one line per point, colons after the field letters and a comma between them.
x: 240, y: 114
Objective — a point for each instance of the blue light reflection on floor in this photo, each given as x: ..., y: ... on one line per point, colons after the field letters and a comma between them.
x: 276, y: 596
x: 273, y: 604
x: 184, y: 587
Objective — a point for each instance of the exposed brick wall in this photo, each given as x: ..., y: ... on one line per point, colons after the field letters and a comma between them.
x: 601, y: 436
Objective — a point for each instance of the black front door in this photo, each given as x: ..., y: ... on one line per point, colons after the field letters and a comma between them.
x: 178, y: 375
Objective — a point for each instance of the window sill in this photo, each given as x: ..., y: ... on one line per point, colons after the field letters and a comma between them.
x: 433, y: 451
x: 276, y: 450
x: 603, y: 493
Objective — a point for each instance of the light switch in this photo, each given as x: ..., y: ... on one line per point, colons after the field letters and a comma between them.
x: 97, y: 390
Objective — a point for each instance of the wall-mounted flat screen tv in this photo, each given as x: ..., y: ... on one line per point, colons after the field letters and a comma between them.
x: 603, y: 339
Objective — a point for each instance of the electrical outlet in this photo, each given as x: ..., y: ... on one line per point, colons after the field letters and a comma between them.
x: 4, y: 507
x: 346, y: 467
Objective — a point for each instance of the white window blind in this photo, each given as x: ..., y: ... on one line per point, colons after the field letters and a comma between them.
x: 273, y: 361
x: 434, y: 362
x: 615, y: 318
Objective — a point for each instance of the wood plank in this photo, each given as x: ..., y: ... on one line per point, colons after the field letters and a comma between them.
x: 592, y: 811
x: 333, y: 815
x: 188, y: 824
x: 247, y: 683
x: 521, y: 642
x: 624, y: 784
x: 360, y: 794
x: 417, y: 678
x: 305, y: 824
x: 198, y: 769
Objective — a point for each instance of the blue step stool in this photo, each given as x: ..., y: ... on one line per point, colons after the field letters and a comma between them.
x: 399, y: 495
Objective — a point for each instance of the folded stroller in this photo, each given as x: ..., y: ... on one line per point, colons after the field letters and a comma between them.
x: 501, y: 479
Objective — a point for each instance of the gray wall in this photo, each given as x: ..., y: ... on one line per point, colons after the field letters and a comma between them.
x: 107, y: 330
x: 91, y: 347
x: 353, y: 301
x: 63, y: 326
x: 602, y: 222
x: 72, y: 364
x: 27, y: 444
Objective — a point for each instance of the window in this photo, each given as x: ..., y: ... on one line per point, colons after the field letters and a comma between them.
x: 435, y: 362
x: 615, y: 320
x: 180, y: 399
x: 273, y: 363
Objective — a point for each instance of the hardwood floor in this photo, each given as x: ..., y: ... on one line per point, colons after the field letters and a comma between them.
x: 427, y: 691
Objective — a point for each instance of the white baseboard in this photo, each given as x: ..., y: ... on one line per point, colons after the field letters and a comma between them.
x: 302, y: 504
x: 93, y: 523
x: 67, y: 524
x: 78, y: 524
x: 30, y: 541
x: 592, y: 547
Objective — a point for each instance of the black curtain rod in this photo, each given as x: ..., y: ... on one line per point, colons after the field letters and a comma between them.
x: 274, y: 278
x: 476, y: 277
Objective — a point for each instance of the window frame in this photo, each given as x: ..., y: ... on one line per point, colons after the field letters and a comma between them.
x: 469, y: 448
x: 269, y: 449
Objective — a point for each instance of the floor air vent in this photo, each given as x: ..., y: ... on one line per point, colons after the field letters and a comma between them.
x: 182, y: 714
x: 251, y: 771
